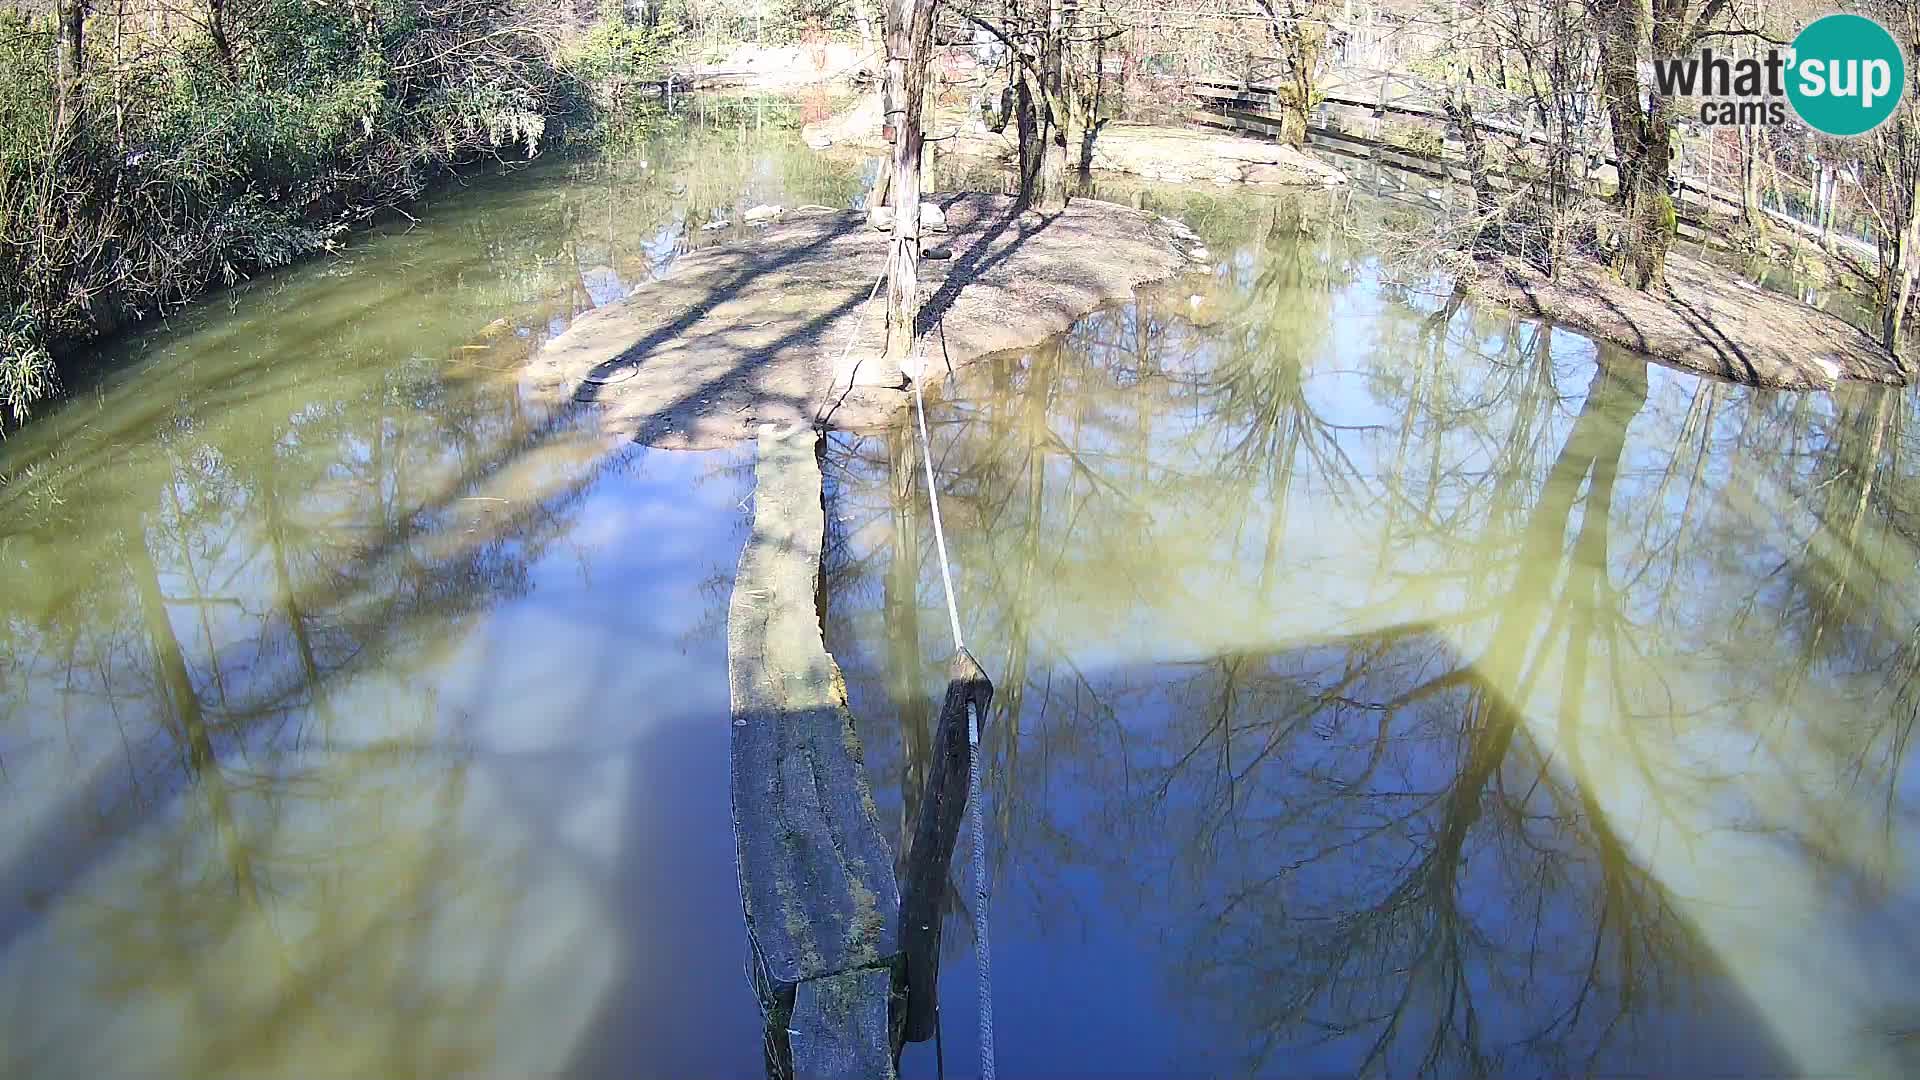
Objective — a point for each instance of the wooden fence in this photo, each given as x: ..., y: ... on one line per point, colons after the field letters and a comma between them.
x: 1356, y: 106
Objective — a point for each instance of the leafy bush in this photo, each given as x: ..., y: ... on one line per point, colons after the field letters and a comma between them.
x: 619, y: 49
x: 26, y: 369
x: 215, y: 149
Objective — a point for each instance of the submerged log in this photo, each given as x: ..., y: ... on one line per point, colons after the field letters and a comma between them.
x: 816, y: 876
x: 942, y: 809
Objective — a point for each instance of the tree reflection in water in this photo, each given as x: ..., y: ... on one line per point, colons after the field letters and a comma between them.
x: 323, y: 742
x: 1390, y: 688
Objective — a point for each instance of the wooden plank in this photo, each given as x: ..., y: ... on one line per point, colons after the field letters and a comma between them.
x: 816, y: 876
x: 838, y: 1030
x: 923, y: 900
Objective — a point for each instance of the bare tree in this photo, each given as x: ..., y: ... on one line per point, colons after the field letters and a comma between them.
x: 1891, y: 183
x: 1299, y: 29
x: 1643, y: 119
x: 909, y: 35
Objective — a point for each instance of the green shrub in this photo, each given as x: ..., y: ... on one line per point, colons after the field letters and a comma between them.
x: 26, y: 369
x: 191, y: 165
x: 617, y: 49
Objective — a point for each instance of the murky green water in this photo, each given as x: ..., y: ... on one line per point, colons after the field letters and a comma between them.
x: 1375, y: 690
x: 1393, y: 691
x: 358, y: 717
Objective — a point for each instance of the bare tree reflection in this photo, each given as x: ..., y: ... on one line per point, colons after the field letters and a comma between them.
x: 247, y: 803
x: 1392, y: 684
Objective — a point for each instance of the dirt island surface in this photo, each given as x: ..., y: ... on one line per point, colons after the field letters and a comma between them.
x: 1172, y: 155
x: 1705, y: 320
x: 753, y: 332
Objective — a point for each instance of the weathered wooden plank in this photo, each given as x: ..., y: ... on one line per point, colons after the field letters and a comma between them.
x: 942, y: 808
x: 838, y: 1030
x: 816, y: 876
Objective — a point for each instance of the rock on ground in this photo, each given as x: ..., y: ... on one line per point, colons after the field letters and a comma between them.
x: 1707, y: 320
x: 1167, y: 154
x: 750, y: 332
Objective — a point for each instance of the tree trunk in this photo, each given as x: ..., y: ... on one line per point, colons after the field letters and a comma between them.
x: 1486, y: 208
x: 1027, y: 114
x: 1086, y: 114
x: 1299, y: 29
x: 1648, y: 230
x: 1643, y: 145
x: 909, y: 32
x: 217, y: 30
x: 1752, y: 211
x: 1829, y: 188
x: 1773, y: 175
x: 1293, y: 124
x: 71, y: 59
x: 1897, y: 291
x: 1050, y: 194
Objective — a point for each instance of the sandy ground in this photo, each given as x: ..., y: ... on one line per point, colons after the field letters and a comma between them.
x: 774, y: 68
x: 1706, y: 320
x: 1167, y: 154
x: 749, y: 333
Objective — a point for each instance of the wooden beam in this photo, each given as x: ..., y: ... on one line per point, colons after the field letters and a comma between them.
x: 816, y: 877
x: 942, y: 808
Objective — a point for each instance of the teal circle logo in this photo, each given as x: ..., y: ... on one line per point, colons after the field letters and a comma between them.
x: 1848, y: 75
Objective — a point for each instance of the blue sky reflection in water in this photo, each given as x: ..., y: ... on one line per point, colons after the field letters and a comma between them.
x: 1400, y: 689
x: 358, y: 717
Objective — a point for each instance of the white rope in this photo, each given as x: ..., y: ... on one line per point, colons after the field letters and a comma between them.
x: 933, y: 499
x: 853, y: 337
x: 982, y: 949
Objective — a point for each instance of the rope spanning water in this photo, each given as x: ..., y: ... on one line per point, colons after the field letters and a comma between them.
x: 982, y: 950
x: 933, y: 499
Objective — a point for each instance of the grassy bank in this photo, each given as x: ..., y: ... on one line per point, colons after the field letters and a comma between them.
x: 148, y: 151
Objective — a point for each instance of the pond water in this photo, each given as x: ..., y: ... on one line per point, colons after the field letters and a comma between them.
x: 1382, y: 685
x: 1393, y: 689
x: 357, y: 716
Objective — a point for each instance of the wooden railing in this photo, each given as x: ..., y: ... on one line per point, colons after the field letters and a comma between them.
x: 1374, y: 96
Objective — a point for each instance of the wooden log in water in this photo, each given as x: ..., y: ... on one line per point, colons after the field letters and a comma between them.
x: 838, y: 1028
x: 942, y: 809
x: 816, y: 876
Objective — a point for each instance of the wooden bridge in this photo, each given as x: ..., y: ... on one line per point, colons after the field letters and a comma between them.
x: 845, y: 961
